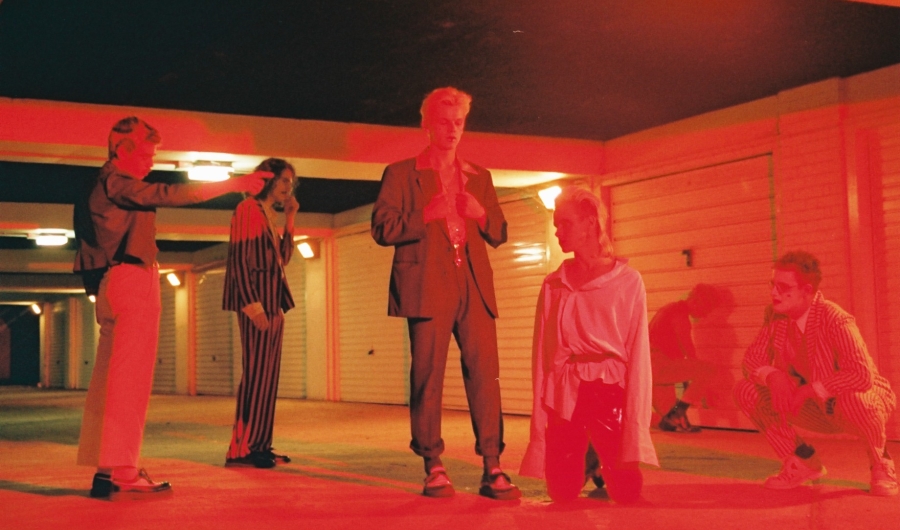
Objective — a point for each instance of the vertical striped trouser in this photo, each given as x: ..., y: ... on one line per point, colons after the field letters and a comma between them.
x: 261, y: 358
x: 863, y: 414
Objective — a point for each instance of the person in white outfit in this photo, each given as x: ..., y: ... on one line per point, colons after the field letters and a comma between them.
x: 590, y: 362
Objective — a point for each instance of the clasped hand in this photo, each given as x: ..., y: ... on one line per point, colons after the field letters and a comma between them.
x: 467, y: 206
x: 787, y: 397
x: 261, y: 321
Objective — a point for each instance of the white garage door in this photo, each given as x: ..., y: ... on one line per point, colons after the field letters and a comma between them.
x: 374, y: 349
x: 164, y: 372
x: 216, y: 330
x: 720, y: 217
x: 292, y: 381
x: 885, y: 164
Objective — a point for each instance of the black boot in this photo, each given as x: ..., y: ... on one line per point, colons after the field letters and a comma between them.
x: 676, y: 419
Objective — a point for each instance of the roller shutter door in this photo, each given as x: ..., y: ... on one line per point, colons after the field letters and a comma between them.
x: 164, y: 372
x: 59, y: 344
x: 723, y: 217
x: 374, y: 350
x: 885, y: 166
x: 292, y: 381
x: 89, y: 333
x: 215, y: 336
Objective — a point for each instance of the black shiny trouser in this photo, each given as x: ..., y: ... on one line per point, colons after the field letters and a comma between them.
x: 597, y: 420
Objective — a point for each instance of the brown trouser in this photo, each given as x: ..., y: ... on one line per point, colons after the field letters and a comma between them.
x: 462, y: 314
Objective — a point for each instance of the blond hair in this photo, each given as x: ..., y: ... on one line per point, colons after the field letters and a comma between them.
x: 449, y: 96
x: 586, y: 204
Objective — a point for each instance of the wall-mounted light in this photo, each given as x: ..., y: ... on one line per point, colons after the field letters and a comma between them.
x: 92, y: 298
x: 308, y: 248
x: 206, y: 171
x: 548, y: 196
x: 36, y: 309
x: 51, y: 237
x: 173, y: 279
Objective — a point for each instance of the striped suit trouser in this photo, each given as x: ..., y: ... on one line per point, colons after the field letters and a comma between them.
x: 261, y: 358
x: 863, y: 414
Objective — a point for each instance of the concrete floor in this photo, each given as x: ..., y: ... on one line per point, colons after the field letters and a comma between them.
x: 351, y: 469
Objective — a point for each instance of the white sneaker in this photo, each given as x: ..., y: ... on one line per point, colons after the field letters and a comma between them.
x: 884, y: 479
x: 793, y: 473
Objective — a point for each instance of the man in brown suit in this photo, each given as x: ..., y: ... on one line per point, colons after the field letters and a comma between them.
x: 437, y: 211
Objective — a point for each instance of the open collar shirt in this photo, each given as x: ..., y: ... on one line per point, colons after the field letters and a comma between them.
x: 608, y: 316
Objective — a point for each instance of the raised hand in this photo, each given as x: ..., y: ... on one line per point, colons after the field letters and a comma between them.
x: 437, y: 208
x: 291, y: 206
x: 468, y: 206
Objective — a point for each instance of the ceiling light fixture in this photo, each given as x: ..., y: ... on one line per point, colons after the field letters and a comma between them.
x: 309, y: 248
x: 548, y: 196
x: 205, y: 171
x: 51, y: 237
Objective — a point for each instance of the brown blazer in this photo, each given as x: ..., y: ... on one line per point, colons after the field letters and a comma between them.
x: 122, y: 211
x: 423, y: 255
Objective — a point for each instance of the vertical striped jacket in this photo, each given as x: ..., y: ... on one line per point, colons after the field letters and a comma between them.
x: 256, y: 260
x: 837, y: 354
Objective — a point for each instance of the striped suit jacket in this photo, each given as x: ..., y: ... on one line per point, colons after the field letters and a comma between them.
x: 838, y: 358
x: 256, y: 260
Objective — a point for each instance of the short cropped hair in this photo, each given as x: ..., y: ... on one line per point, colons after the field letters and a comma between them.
x: 587, y: 204
x: 129, y: 132
x: 444, y: 96
x: 804, y: 265
x: 276, y: 166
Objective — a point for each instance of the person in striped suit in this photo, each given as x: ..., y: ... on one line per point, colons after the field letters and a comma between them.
x: 809, y: 367
x: 257, y: 290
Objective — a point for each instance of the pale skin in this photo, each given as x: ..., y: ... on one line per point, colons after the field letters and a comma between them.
x: 445, y: 125
x: 792, y: 298
x: 281, y: 193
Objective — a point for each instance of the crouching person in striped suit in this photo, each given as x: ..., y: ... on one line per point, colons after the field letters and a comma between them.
x: 809, y: 367
x: 257, y: 289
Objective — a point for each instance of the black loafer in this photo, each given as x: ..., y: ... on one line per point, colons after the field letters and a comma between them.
x: 254, y: 459
x: 279, y: 459
x: 101, y: 486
